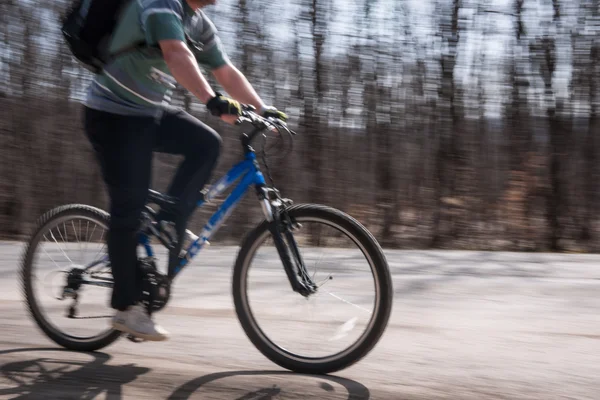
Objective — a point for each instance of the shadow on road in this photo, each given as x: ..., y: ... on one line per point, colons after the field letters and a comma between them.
x: 41, y: 376
x: 355, y: 390
x: 42, y: 373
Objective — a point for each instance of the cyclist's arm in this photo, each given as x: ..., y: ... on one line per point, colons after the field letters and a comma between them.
x: 237, y: 86
x: 184, y: 68
x: 162, y: 25
x: 214, y: 57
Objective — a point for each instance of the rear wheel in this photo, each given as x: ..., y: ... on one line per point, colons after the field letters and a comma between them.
x: 67, y: 253
x: 339, y: 324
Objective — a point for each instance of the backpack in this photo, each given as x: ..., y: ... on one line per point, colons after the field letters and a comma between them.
x: 87, y: 28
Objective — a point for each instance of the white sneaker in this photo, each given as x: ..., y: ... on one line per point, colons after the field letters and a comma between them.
x: 136, y: 321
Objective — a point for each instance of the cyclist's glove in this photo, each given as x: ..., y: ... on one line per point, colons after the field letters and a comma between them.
x: 221, y: 105
x: 274, y: 113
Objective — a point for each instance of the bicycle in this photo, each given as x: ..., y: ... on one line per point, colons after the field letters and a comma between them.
x: 283, y: 223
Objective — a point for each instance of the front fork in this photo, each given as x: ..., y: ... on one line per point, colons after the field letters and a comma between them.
x: 281, y: 227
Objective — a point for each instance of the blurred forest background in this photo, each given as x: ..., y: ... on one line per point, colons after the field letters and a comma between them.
x: 437, y: 123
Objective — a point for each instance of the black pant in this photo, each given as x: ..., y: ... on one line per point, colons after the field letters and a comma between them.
x: 124, y: 145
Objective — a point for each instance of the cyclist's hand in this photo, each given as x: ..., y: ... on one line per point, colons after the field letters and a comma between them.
x: 274, y: 113
x: 222, y: 106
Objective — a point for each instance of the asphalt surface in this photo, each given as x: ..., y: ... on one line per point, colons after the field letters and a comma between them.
x: 465, y: 325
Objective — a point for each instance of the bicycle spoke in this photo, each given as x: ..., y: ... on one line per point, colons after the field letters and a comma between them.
x: 49, y: 256
x: 76, y: 238
x: 67, y: 257
x: 92, y: 236
x: 316, y: 263
x: 80, y: 242
x: 93, y: 230
x: 348, y: 302
x: 86, y: 239
x: 324, y: 281
x: 102, y: 248
x: 60, y: 233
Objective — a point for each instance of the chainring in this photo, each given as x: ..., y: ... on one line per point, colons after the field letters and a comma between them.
x: 156, y: 288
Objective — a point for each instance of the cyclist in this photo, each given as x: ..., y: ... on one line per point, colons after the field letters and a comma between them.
x: 127, y: 116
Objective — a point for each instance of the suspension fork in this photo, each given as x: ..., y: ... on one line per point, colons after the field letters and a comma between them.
x: 300, y: 265
x: 280, y: 226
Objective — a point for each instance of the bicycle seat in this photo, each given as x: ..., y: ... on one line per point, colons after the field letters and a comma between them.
x: 160, y: 199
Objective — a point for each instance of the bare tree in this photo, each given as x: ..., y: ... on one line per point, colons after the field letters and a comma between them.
x: 448, y: 153
x: 391, y: 110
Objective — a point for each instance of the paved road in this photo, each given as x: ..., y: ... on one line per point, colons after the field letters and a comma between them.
x: 465, y: 325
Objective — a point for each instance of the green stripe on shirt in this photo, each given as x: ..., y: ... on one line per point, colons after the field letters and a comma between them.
x: 163, y: 26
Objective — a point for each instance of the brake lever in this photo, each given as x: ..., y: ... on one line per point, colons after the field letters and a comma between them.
x: 243, y: 119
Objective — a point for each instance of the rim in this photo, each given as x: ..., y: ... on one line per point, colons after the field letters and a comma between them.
x: 246, y: 304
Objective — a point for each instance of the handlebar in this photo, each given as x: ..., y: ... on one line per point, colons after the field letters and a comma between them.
x: 260, y: 124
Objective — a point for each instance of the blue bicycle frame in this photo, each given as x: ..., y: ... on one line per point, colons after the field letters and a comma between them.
x: 250, y: 174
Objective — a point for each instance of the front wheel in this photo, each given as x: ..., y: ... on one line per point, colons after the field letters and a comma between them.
x: 337, y: 325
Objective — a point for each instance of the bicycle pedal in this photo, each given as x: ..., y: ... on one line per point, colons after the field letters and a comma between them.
x: 134, y: 339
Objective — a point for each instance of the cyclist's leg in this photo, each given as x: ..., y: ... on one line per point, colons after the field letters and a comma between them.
x: 123, y: 145
x: 180, y: 133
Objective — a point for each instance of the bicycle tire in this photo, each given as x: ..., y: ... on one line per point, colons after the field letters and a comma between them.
x: 309, y: 365
x: 57, y: 336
